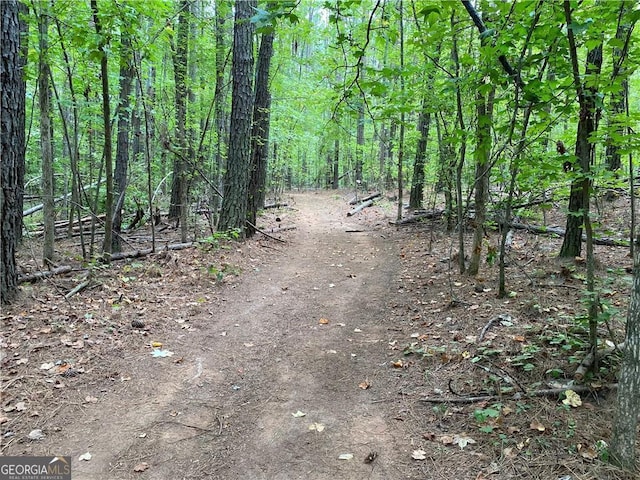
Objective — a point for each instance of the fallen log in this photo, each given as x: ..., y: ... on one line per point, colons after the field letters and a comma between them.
x: 418, y: 217
x: 363, y: 205
x: 538, y: 230
x: 147, y: 251
x: 355, y: 200
x: 275, y: 205
x: 34, y: 277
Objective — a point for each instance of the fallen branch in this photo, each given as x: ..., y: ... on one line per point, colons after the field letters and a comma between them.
x: 147, y: 251
x: 418, y: 217
x: 363, y: 205
x: 34, y: 277
x: 538, y: 230
x: 275, y: 205
x: 548, y: 392
x: 502, y: 316
x: 355, y: 200
x: 37, y: 208
x: 78, y: 288
x: 264, y: 233
x: 588, y: 361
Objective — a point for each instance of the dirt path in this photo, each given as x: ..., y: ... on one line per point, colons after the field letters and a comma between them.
x: 252, y: 361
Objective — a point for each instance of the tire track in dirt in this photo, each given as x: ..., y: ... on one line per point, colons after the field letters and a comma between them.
x: 226, y: 411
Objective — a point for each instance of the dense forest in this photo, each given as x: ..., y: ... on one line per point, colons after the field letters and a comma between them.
x: 119, y: 113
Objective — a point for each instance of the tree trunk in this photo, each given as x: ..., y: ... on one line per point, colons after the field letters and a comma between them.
x: 219, y: 103
x: 417, y: 182
x: 484, y: 106
x: 620, y: 97
x: 260, y: 131
x: 233, y: 214
x: 335, y: 182
x: 624, y: 437
x: 127, y: 74
x: 46, y: 136
x: 106, y: 117
x: 580, y: 187
x: 12, y: 117
x: 359, y: 143
x: 401, y: 136
x: 180, y: 51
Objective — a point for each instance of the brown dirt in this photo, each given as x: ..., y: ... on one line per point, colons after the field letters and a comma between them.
x: 262, y: 330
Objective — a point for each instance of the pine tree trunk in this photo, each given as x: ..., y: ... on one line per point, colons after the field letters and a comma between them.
x: 12, y: 140
x: 260, y: 131
x: 233, y: 214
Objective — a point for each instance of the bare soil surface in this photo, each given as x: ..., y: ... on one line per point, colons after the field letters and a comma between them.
x: 353, y: 339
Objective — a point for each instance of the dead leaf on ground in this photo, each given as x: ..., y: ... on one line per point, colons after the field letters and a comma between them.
x: 298, y: 414
x: 364, y: 385
x: 345, y: 456
x: 318, y: 427
x: 536, y: 425
x: 397, y: 364
x: 462, y: 440
x: 141, y: 467
x: 90, y: 399
x: 419, y: 455
x: 323, y: 321
x: 446, y: 439
x: 589, y: 453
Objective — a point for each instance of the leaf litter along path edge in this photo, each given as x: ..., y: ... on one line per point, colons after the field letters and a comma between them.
x: 223, y: 405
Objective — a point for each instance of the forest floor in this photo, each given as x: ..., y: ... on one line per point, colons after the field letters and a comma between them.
x: 354, y: 350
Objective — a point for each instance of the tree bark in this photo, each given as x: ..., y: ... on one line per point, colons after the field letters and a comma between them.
x: 233, y: 214
x: 219, y: 103
x: 260, y: 131
x: 619, y: 98
x: 417, y: 181
x: 484, y: 106
x: 12, y: 166
x: 177, y: 210
x: 335, y: 169
x: 46, y: 136
x: 581, y: 186
x: 623, y: 440
x: 106, y: 117
x: 127, y: 74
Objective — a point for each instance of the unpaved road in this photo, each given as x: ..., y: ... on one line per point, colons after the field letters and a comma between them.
x: 252, y: 360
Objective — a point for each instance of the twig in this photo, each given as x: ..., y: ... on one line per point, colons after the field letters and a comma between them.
x: 78, y: 288
x: 535, y: 393
x: 263, y: 232
x: 502, y: 316
x: 8, y: 384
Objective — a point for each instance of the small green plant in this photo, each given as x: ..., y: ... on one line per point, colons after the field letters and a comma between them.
x: 218, y: 238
